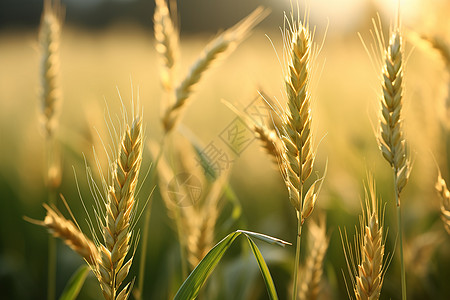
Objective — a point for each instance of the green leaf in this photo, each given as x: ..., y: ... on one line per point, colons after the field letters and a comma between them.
x: 266, y: 238
x: 191, y: 286
x: 75, y: 284
x: 264, y: 270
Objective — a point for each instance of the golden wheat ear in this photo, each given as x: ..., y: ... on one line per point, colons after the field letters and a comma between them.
x: 70, y: 234
x: 392, y: 142
x: 167, y: 42
x: 49, y: 41
x: 367, y: 265
x: 318, y: 240
x: 221, y: 45
x: 120, y: 205
x: 444, y: 195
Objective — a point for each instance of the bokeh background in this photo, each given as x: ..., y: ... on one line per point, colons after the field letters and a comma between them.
x: 108, y: 46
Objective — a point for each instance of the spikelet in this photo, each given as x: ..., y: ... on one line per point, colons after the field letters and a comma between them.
x: 444, y: 195
x: 49, y: 40
x: 391, y: 139
x: 318, y: 239
x: 222, y: 44
x: 64, y: 229
x: 111, y: 269
x: 367, y: 269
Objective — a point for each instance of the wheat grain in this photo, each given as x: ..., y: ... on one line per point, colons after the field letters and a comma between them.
x: 49, y: 40
x: 64, y: 229
x: 111, y: 269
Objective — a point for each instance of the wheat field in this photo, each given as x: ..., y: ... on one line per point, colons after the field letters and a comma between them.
x: 114, y: 80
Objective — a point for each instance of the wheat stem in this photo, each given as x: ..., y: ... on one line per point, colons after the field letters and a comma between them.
x: 400, y: 236
x: 51, y: 254
x: 297, y: 255
x: 140, y: 288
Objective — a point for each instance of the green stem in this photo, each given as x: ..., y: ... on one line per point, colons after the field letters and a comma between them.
x: 152, y: 176
x: 299, y: 233
x: 400, y: 234
x: 297, y: 255
x: 51, y: 279
x: 51, y: 256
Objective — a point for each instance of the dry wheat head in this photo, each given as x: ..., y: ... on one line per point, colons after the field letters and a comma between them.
x: 49, y: 40
x: 367, y: 265
x: 295, y: 129
x: 222, y: 44
x: 391, y: 140
x: 64, y: 229
x: 318, y: 239
x: 167, y: 44
x: 444, y: 194
x: 111, y: 269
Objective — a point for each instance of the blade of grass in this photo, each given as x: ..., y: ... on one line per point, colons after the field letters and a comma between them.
x: 75, y: 284
x: 264, y: 269
x: 190, y: 288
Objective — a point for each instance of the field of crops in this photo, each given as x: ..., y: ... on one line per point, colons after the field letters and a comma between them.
x: 164, y: 145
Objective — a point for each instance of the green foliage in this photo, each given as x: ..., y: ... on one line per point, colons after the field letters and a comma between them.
x: 192, y: 285
x: 75, y: 283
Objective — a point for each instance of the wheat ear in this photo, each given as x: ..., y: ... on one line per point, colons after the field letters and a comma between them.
x: 367, y: 267
x: 269, y: 141
x: 64, y: 229
x: 49, y: 40
x: 167, y: 44
x: 370, y: 268
x: 391, y: 140
x: 224, y: 43
x: 111, y: 269
x: 310, y: 286
x: 444, y: 194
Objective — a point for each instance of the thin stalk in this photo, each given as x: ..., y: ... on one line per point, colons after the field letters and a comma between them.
x: 152, y: 176
x: 297, y: 255
x: 51, y: 279
x: 184, y: 270
x: 51, y: 284
x: 299, y: 236
x: 400, y: 234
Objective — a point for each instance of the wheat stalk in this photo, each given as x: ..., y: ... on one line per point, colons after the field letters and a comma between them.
x: 444, y: 194
x: 111, y: 269
x: 295, y: 129
x: 49, y: 40
x: 391, y: 140
x: 50, y: 96
x: 64, y: 229
x: 310, y: 284
x: 222, y: 44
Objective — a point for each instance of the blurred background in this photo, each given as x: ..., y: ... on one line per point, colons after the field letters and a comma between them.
x: 107, y: 46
